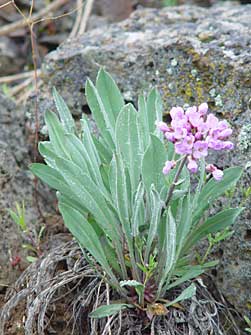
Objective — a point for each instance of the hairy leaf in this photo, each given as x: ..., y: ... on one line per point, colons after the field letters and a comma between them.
x: 138, y: 210
x: 110, y: 95
x: 213, y: 189
x: 56, y: 133
x: 213, y: 224
x: 153, y: 163
x: 128, y: 142
x: 188, y: 293
x: 86, y: 235
x: 108, y: 310
x: 104, y: 121
x: 156, y: 206
x: 64, y: 112
x: 154, y: 110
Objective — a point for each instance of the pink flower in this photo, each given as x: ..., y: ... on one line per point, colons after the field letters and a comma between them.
x: 198, y: 136
x: 193, y: 133
x: 162, y: 126
x: 191, y: 110
x: 203, y: 127
x: 214, y: 144
x: 192, y: 165
x: 220, y: 134
x: 180, y: 133
x: 223, y: 125
x: 177, y: 113
x: 194, y: 117
x: 185, y: 146
x: 175, y: 123
x: 169, y: 135
x: 200, y: 149
x: 203, y: 109
x: 169, y: 165
x: 212, y: 121
x: 210, y: 168
x: 217, y: 174
x: 214, y: 133
x: 224, y: 134
x: 227, y: 145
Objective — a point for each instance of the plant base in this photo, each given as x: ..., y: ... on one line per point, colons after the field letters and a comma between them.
x: 55, y: 295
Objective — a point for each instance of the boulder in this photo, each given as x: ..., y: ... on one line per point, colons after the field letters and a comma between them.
x: 10, y: 57
x: 13, y: 185
x: 16, y: 185
x: 192, y: 55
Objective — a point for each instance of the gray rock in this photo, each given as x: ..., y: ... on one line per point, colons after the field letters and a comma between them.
x: 96, y: 21
x: 16, y: 185
x: 192, y: 55
x: 10, y: 60
x: 12, y: 181
x: 116, y: 10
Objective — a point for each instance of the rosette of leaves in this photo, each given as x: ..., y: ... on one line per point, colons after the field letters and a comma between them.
x: 113, y: 195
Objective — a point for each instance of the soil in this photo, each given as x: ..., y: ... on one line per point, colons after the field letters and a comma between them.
x: 55, y: 234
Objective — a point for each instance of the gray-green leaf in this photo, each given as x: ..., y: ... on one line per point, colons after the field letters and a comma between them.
x: 188, y: 293
x: 110, y: 94
x: 64, y: 112
x: 128, y: 142
x: 213, y: 189
x: 213, y: 224
x: 108, y: 310
x: 153, y: 163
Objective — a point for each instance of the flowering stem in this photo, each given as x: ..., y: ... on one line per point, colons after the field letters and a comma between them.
x: 207, y: 253
x: 170, y: 193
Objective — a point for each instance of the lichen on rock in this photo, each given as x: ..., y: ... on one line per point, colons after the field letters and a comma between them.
x: 244, y: 140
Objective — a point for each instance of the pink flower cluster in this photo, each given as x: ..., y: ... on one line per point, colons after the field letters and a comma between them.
x: 193, y: 133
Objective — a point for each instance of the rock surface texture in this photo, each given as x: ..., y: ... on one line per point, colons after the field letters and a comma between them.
x: 192, y: 55
x: 15, y: 185
x: 10, y: 57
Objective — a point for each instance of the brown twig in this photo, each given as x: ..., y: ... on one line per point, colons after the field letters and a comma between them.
x: 16, y: 89
x: 29, y: 22
x: 108, y: 303
x: 16, y: 77
x: 6, y: 4
x: 56, y: 17
x: 31, y: 9
x: 34, y: 60
x: 9, y: 28
x: 78, y: 19
x: 86, y: 15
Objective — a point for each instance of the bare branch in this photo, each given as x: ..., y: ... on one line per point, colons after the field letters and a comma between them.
x: 16, y: 89
x: 16, y: 77
x: 78, y: 19
x: 6, y: 4
x: 87, y: 13
x: 9, y: 28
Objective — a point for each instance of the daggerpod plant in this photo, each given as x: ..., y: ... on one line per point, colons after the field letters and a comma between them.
x: 126, y: 196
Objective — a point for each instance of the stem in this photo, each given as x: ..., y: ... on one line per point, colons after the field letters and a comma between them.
x: 170, y: 193
x: 207, y: 253
x: 85, y: 17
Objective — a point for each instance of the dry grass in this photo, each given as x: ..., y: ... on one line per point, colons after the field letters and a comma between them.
x: 55, y: 295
